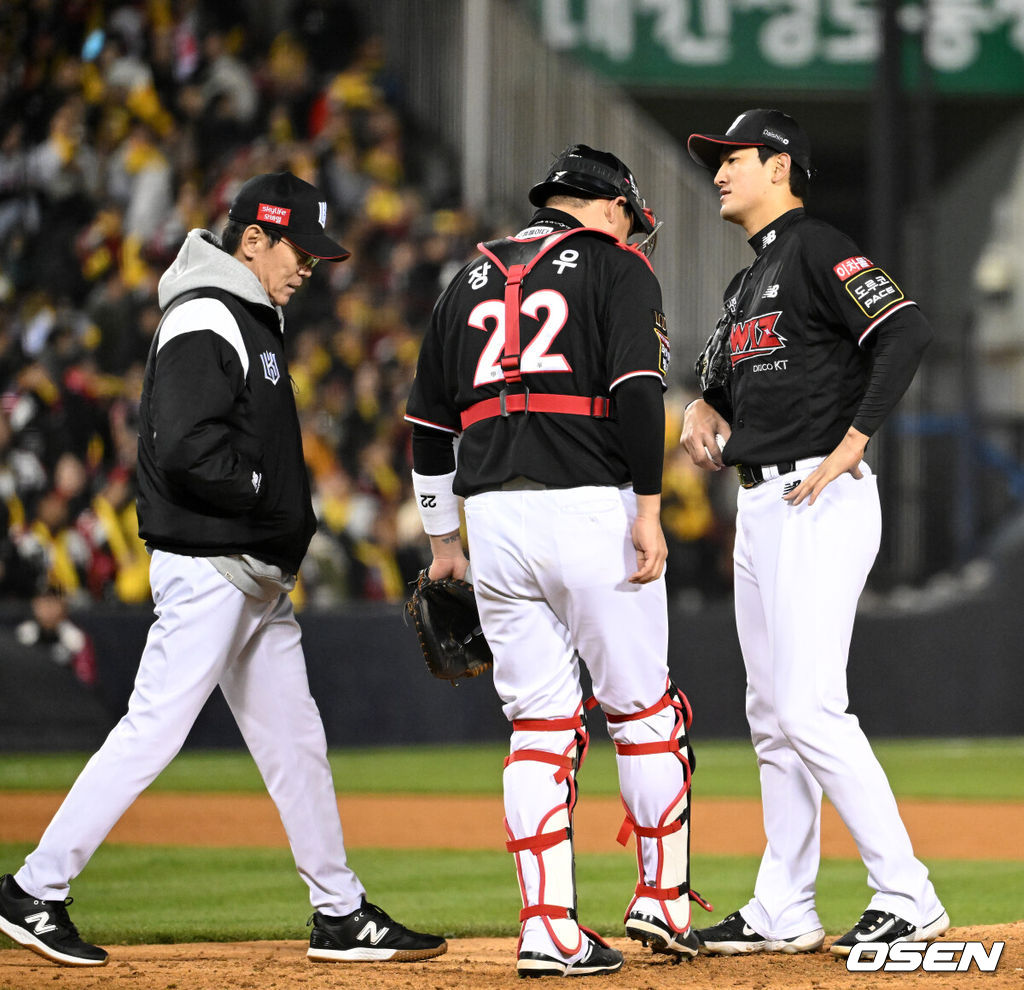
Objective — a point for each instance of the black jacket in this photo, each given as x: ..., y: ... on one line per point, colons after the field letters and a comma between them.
x: 220, y: 467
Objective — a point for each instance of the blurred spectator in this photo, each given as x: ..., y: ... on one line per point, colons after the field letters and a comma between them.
x: 19, y: 575
x: 226, y: 81
x: 57, y: 550
x: 118, y: 565
x: 330, y: 30
x: 54, y: 634
x: 122, y: 127
x: 20, y: 215
x: 139, y: 179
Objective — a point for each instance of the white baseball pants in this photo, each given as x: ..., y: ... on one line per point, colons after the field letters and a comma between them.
x: 208, y: 633
x: 550, y: 570
x: 799, y: 572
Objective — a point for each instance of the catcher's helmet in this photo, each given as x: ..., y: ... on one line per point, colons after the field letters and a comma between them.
x: 583, y: 171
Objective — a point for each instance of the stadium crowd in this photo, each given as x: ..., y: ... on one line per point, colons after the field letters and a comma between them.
x: 123, y: 126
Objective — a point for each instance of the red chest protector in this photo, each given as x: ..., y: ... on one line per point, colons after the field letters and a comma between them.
x: 515, y: 260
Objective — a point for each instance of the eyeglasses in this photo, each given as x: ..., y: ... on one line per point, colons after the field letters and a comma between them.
x: 305, y: 260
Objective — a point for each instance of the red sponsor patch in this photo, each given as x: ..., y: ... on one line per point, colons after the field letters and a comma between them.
x: 269, y: 213
x: 850, y: 267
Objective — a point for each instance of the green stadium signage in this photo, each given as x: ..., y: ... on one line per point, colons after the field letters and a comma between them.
x: 968, y: 46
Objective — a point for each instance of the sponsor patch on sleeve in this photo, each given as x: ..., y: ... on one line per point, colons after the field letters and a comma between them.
x: 850, y: 267
x: 665, y: 348
x: 873, y: 291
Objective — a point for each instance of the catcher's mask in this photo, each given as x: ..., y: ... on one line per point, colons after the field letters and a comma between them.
x: 586, y: 172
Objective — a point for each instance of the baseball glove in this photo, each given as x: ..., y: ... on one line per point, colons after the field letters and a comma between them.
x: 448, y: 628
x: 714, y: 366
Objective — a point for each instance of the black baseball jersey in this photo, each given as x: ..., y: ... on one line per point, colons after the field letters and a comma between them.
x: 590, y: 319
x: 801, y: 317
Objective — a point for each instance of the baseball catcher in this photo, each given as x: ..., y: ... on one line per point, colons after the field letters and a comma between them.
x: 448, y: 628
x: 546, y: 359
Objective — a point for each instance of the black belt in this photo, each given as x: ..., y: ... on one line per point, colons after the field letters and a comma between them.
x: 522, y: 484
x: 752, y: 475
x: 517, y: 484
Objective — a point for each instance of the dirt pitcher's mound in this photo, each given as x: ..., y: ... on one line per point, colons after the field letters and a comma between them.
x: 486, y: 964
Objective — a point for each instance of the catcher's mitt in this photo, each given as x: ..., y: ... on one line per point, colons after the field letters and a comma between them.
x: 448, y: 628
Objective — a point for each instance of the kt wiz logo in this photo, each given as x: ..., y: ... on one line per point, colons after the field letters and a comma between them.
x: 755, y: 338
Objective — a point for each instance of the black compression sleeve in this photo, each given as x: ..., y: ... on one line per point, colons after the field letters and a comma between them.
x: 432, y: 451
x: 640, y: 412
x: 899, y: 343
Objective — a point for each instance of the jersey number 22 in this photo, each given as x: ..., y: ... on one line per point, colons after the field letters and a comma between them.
x: 536, y: 354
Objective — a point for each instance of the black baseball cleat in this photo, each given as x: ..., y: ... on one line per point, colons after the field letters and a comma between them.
x: 369, y: 934
x: 656, y: 935
x: 601, y: 959
x: 44, y: 927
x: 881, y: 926
x: 733, y: 937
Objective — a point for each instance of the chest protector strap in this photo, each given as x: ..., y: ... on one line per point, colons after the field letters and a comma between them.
x: 506, y: 402
x: 513, y: 300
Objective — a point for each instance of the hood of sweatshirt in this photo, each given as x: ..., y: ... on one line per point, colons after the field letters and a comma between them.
x: 201, y: 264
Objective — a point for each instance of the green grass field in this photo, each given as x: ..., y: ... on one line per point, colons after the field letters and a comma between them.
x: 152, y: 894
x: 947, y: 769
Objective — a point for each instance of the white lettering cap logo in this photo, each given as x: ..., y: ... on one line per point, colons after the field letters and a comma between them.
x: 323, y: 214
x: 775, y: 135
x: 736, y: 122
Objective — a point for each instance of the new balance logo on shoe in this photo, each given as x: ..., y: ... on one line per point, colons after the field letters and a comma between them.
x: 41, y: 921
x: 372, y: 933
x: 369, y: 934
x: 44, y: 927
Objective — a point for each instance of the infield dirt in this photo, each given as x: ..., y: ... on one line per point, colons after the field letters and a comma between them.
x: 939, y: 830
x: 484, y: 964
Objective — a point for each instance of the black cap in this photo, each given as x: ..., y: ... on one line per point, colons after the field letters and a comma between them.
x: 285, y: 204
x: 753, y: 129
x: 593, y: 174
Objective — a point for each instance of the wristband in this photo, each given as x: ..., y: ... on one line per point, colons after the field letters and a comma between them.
x: 438, y: 504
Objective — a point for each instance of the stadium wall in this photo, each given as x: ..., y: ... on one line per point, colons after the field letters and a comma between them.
x: 944, y: 667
